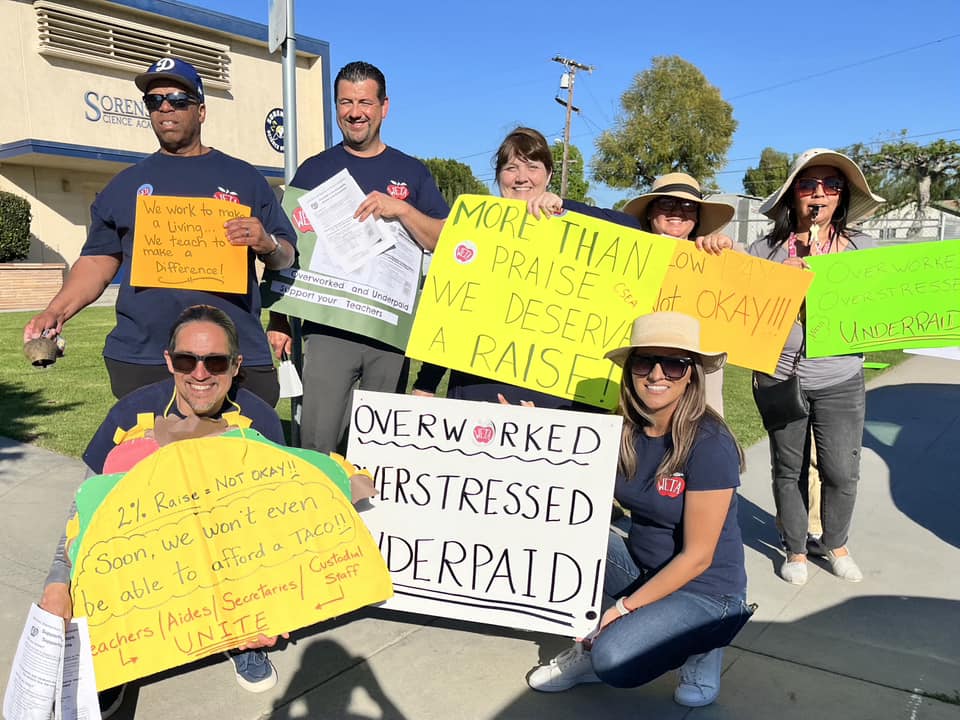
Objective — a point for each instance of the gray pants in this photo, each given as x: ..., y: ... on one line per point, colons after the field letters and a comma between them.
x: 836, y: 417
x: 331, y: 368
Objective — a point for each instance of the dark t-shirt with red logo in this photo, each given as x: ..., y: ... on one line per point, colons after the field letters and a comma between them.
x: 656, y: 507
x: 146, y: 315
x: 392, y: 172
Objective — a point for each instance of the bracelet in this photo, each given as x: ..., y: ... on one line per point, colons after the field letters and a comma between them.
x: 622, y: 607
x: 276, y: 246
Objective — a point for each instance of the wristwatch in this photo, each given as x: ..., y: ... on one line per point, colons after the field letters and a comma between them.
x: 276, y: 246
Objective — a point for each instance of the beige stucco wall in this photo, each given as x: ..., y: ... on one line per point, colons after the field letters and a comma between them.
x: 60, y: 100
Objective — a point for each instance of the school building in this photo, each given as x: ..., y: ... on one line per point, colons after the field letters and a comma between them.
x: 74, y: 118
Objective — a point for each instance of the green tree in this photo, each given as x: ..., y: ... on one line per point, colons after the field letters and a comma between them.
x: 770, y: 173
x: 671, y: 119
x: 907, y: 173
x: 577, y: 185
x: 454, y: 178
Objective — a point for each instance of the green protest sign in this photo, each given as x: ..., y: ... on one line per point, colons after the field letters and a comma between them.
x: 377, y: 299
x: 906, y: 296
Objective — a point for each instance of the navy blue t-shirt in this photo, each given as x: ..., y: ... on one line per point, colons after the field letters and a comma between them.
x: 391, y: 172
x: 656, y: 507
x: 145, y: 316
x: 156, y: 399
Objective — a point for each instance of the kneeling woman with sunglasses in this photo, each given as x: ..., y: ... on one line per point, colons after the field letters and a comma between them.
x: 824, y: 194
x: 678, y: 578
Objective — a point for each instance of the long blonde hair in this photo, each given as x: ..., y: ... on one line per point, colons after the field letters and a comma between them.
x: 684, y: 424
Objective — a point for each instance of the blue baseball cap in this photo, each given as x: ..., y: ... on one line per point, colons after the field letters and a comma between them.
x: 180, y: 72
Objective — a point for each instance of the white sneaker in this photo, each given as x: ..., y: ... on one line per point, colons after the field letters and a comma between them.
x: 571, y: 667
x: 844, y: 567
x: 699, y: 682
x: 794, y: 573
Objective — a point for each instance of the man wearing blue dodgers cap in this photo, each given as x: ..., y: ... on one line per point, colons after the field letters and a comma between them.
x: 184, y: 167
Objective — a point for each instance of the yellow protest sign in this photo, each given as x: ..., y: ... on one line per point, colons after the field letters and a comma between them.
x: 745, y: 305
x: 536, y: 303
x: 209, y: 542
x: 180, y: 242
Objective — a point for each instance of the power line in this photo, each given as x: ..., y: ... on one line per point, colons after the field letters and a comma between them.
x: 844, y: 67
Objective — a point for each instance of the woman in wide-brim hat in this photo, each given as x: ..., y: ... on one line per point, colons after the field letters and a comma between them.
x: 675, y: 207
x: 679, y: 575
x: 824, y: 193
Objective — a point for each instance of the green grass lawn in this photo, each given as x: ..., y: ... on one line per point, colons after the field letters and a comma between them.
x: 59, y: 408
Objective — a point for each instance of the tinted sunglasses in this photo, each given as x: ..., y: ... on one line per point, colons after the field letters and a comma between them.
x: 185, y: 362
x: 177, y: 100
x: 669, y: 204
x: 673, y: 368
x: 808, y: 186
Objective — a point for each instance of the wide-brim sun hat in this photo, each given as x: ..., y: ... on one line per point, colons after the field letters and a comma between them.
x: 714, y: 216
x: 862, y: 201
x: 673, y: 330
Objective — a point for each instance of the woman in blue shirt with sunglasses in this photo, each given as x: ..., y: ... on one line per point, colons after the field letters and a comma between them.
x: 679, y: 576
x: 823, y: 195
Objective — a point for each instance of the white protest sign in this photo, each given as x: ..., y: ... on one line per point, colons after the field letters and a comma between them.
x: 497, y: 514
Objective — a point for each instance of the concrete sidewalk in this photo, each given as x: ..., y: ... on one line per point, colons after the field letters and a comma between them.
x: 888, y: 647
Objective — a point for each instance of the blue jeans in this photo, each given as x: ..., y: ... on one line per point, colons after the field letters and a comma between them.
x: 836, y: 417
x: 658, y: 637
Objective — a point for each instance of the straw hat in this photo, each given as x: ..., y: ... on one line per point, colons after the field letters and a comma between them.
x: 862, y: 202
x: 668, y: 330
x: 713, y: 215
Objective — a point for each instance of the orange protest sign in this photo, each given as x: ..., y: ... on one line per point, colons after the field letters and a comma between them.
x: 745, y: 305
x: 180, y: 242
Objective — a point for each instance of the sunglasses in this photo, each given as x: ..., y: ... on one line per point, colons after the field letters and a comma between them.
x: 185, y: 362
x: 177, y: 100
x: 669, y: 204
x: 808, y: 186
x: 674, y: 368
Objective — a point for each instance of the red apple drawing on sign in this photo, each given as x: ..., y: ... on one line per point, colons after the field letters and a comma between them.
x: 465, y: 252
x: 483, y: 433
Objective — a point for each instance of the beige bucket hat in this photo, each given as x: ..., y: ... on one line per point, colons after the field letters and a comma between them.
x: 668, y: 330
x: 713, y: 215
x: 863, y: 203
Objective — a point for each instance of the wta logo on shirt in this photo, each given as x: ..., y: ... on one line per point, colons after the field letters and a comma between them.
x: 228, y: 195
x: 671, y: 486
x: 398, y: 189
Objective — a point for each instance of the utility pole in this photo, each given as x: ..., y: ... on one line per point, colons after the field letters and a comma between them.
x: 281, y: 36
x: 567, y: 81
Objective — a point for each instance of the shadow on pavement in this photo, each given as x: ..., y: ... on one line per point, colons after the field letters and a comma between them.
x: 323, y: 661
x: 914, y: 428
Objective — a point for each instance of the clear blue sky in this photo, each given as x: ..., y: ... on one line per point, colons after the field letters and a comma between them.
x: 461, y: 75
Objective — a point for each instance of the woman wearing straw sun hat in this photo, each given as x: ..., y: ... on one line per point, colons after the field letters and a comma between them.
x: 675, y: 207
x: 679, y: 575
x: 823, y: 195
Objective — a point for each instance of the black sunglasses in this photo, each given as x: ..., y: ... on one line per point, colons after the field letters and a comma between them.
x: 185, y: 362
x: 177, y: 100
x: 669, y: 204
x: 674, y: 368
x: 831, y: 185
